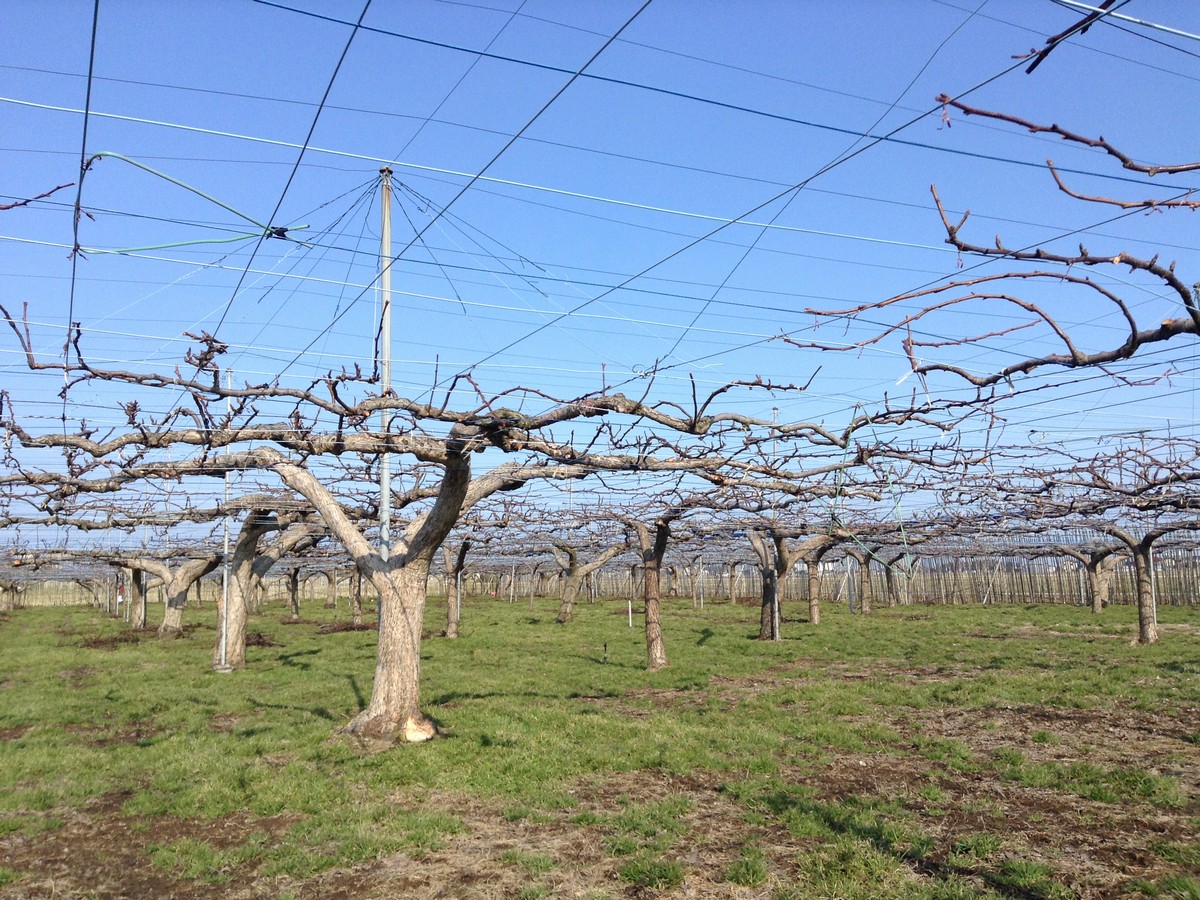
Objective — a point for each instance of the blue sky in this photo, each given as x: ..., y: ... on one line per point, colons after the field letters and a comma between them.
x: 696, y: 114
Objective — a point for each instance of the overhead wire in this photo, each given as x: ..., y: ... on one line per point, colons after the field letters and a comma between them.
x: 713, y: 232
x: 481, y: 173
x: 841, y: 158
x: 299, y: 158
x: 78, y: 210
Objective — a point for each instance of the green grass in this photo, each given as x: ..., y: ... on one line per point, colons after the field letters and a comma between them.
x: 532, y: 863
x: 531, y: 713
x: 750, y: 869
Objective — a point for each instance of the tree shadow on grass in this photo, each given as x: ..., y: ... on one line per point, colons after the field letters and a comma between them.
x: 847, y: 818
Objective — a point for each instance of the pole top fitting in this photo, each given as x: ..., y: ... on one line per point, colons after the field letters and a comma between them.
x: 385, y: 171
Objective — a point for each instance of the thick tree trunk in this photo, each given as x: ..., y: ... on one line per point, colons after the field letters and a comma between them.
x: 453, y: 605
x: 656, y: 651
x: 770, y: 597
x: 331, y: 589
x: 137, y: 599
x: 172, y: 623
x: 394, y: 712
x: 232, y: 612
x: 570, y: 593
x: 232, y: 609
x: 1147, y: 611
x: 454, y: 562
x: 1100, y: 579
x: 653, y: 551
x: 177, y: 583
x: 864, y: 581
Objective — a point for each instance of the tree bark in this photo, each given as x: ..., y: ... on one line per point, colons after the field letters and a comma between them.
x: 653, y: 549
x: 177, y: 583
x: 394, y: 711
x: 1100, y: 579
x: 454, y: 565
x: 814, y: 586
x: 137, y: 598
x: 356, y: 600
x: 1147, y: 610
x: 232, y: 609
x: 863, y: 559
x: 331, y: 581
x: 575, y: 574
x: 293, y: 589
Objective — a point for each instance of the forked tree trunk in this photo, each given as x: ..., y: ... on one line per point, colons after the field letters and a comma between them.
x: 1143, y: 565
x: 863, y: 559
x: 177, y: 583
x: 232, y: 609
x: 775, y: 560
x: 575, y: 575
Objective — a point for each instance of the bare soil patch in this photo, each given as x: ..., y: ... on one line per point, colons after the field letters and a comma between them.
x: 113, y: 641
x: 1096, y: 849
x: 99, y: 852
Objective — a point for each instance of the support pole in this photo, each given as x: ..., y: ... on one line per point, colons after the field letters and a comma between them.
x: 385, y: 369
x: 224, y: 667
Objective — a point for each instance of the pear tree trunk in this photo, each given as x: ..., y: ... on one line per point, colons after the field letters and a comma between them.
x: 1147, y: 608
x: 814, y: 585
x: 394, y: 711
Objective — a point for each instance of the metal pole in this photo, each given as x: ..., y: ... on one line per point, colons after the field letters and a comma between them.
x: 227, y: 562
x: 1153, y: 587
x: 385, y: 369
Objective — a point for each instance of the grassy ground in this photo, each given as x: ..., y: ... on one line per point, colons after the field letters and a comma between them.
x: 921, y: 752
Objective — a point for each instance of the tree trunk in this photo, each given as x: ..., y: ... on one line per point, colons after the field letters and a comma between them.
x: 293, y: 589
x: 656, y: 651
x: 864, y: 581
x: 814, y: 585
x: 356, y: 600
x: 454, y: 567
x: 177, y: 583
x: 652, y: 556
x: 1147, y: 613
x: 172, y: 623
x: 770, y: 597
x: 1100, y: 579
x: 394, y: 712
x: 232, y: 609
x: 331, y: 589
x: 137, y: 599
x: 570, y: 593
